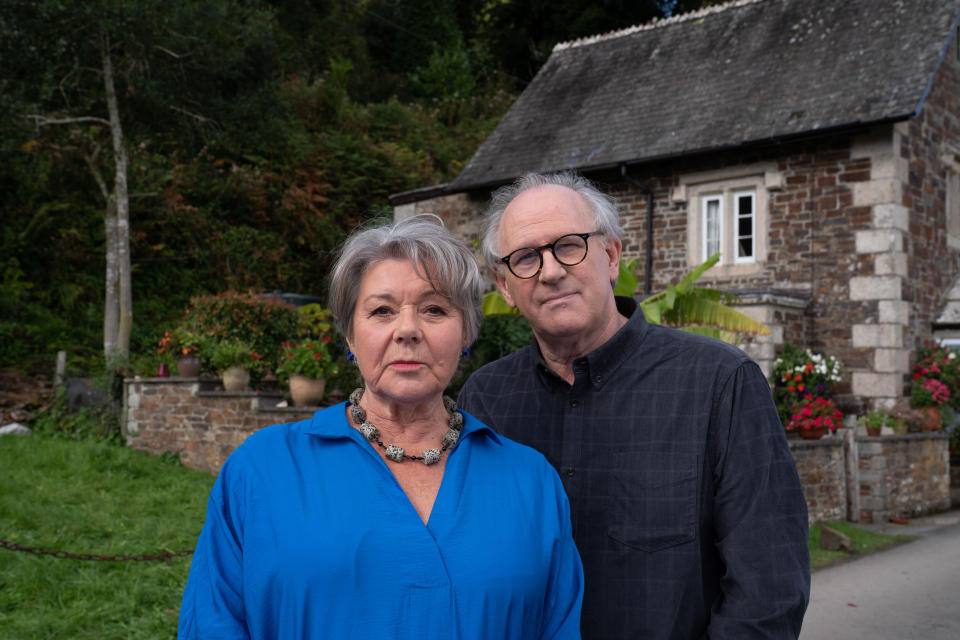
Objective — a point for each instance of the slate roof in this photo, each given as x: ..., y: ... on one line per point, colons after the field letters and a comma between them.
x: 745, y: 72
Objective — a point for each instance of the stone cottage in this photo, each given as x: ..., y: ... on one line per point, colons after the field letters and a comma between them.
x: 814, y: 143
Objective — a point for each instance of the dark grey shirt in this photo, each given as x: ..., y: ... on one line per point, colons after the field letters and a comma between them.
x: 685, y: 501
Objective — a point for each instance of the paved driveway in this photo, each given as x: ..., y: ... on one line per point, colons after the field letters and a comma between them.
x: 910, y: 591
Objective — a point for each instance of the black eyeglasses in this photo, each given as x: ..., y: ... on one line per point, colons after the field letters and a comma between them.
x: 568, y: 250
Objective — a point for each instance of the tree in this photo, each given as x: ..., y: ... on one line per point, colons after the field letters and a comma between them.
x: 106, y: 67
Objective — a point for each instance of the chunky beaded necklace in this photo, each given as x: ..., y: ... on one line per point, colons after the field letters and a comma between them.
x: 392, y: 451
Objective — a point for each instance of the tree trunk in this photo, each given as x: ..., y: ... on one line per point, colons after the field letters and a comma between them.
x: 121, y: 239
x: 111, y: 306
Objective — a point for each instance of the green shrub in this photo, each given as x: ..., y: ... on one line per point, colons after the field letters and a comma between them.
x: 89, y: 423
x: 262, y: 322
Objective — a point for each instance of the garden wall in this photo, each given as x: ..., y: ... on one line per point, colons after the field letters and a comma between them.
x: 174, y: 415
x: 897, y: 476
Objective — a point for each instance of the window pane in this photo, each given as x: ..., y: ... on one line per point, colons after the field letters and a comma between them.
x: 711, y: 226
x: 744, y: 204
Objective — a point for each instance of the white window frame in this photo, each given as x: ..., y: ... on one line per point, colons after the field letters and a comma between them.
x: 735, y: 230
x: 705, y: 250
x: 696, y: 189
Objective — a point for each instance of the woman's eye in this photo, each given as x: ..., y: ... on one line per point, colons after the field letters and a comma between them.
x: 436, y: 310
x: 380, y: 311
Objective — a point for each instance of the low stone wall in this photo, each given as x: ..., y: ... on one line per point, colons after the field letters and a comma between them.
x: 843, y: 476
x: 903, y: 476
x: 174, y: 415
x: 822, y: 471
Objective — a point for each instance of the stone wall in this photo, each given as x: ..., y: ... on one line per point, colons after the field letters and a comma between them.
x: 903, y: 476
x: 896, y: 475
x: 820, y: 465
x: 173, y: 415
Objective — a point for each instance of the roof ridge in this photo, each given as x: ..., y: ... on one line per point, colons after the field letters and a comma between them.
x: 656, y: 23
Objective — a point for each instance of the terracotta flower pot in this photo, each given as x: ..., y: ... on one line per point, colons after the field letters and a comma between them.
x: 930, y: 420
x: 306, y: 392
x: 873, y: 432
x: 235, y: 378
x: 188, y: 366
x: 812, y: 434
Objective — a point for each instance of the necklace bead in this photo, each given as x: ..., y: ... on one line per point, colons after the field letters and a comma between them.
x: 397, y: 454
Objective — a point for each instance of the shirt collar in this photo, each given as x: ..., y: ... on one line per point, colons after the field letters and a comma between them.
x: 603, y: 361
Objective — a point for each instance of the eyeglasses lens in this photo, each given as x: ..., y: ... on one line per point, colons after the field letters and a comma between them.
x: 568, y: 250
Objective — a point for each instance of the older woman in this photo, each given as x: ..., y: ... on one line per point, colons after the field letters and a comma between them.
x: 393, y: 515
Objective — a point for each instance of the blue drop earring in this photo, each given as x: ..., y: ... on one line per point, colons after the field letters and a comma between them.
x: 465, y: 353
x: 350, y: 357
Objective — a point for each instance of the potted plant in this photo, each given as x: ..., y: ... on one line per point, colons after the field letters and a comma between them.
x: 929, y: 395
x: 877, y: 419
x: 233, y: 359
x: 799, y: 375
x: 815, y: 417
x: 185, y: 346
x: 306, y: 366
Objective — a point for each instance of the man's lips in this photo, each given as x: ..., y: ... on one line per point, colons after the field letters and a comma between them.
x: 557, y: 297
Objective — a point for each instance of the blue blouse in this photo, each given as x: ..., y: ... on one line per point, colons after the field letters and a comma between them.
x: 309, y: 535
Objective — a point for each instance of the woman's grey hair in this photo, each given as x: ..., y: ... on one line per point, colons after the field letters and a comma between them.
x: 601, y: 205
x: 439, y: 257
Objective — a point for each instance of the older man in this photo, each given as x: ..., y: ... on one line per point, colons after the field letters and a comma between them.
x: 685, y: 501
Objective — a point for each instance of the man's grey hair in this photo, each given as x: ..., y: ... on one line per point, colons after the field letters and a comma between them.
x: 601, y: 205
x: 436, y: 255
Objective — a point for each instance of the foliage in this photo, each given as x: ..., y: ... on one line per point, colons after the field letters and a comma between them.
x: 181, y: 342
x: 314, y: 321
x: 799, y: 375
x: 261, y: 321
x: 229, y: 353
x: 935, y: 378
x: 93, y: 497
x: 700, y: 310
x: 58, y: 420
x: 815, y: 412
x: 499, y: 336
x: 929, y: 392
x: 879, y: 418
x: 310, y: 358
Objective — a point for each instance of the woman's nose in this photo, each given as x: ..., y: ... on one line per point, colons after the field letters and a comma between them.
x: 408, y: 325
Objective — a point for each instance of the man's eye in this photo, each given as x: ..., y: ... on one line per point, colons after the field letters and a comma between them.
x: 525, y: 257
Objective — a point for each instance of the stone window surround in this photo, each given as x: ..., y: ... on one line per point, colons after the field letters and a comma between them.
x: 762, y: 178
x: 951, y: 163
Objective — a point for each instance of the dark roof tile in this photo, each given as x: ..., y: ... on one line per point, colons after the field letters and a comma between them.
x: 744, y: 72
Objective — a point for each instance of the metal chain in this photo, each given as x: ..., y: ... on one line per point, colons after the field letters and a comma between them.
x: 59, y: 553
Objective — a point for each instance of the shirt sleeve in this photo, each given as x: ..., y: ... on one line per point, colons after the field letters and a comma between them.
x: 213, y: 606
x: 760, y: 516
x: 565, y: 587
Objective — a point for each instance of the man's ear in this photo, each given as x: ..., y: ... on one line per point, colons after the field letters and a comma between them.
x: 501, y: 282
x: 613, y: 248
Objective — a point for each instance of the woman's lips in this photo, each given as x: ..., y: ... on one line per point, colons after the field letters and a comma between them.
x: 406, y: 365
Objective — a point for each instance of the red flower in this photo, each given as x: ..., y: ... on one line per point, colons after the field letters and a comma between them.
x: 316, y: 356
x: 326, y: 338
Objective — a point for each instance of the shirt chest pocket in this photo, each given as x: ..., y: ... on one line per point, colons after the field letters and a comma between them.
x: 653, y: 499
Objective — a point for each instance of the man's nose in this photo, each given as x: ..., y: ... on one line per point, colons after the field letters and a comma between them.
x: 551, y: 269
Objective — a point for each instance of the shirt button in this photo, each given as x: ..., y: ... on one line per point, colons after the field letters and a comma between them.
x: 597, y: 380
x: 570, y: 472
x: 574, y: 403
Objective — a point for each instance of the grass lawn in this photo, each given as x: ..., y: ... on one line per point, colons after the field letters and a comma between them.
x: 864, y: 541
x: 92, y: 497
